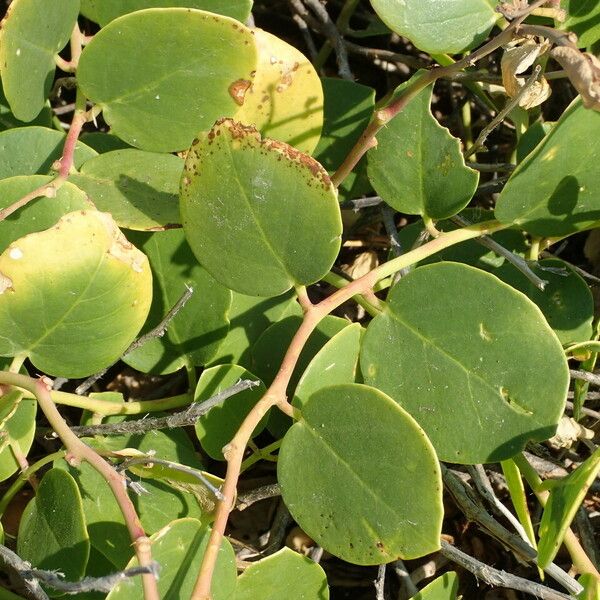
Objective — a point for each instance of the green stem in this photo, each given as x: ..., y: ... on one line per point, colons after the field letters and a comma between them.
x: 580, y: 559
x: 107, y: 407
x: 339, y: 282
x: 261, y: 454
x: 17, y: 363
x: 24, y: 476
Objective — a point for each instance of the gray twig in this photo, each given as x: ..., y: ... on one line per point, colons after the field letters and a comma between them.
x: 18, y: 566
x: 499, y: 578
x: 390, y: 227
x: 393, y: 57
x: 463, y: 496
x: 186, y: 417
x: 586, y: 535
x: 305, y: 31
x: 359, y: 203
x: 586, y: 411
x: 407, y: 588
x: 158, y: 331
x: 585, y: 376
x: 578, y: 270
x: 261, y: 493
x: 517, y: 261
x: 329, y: 29
x: 380, y: 583
x: 512, y: 103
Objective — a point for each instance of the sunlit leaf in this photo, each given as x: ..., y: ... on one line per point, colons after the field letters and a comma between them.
x: 73, y: 296
x: 554, y: 191
x: 285, y: 574
x: 444, y: 587
x: 179, y: 548
x: 346, y: 484
x: 583, y: 19
x: 248, y: 204
x: 462, y: 362
x: 172, y: 72
x: 32, y: 33
x: 18, y: 430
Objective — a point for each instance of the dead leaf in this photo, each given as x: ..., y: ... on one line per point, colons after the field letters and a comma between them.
x: 583, y: 70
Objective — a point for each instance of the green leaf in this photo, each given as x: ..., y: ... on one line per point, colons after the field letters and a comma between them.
x: 336, y: 362
x: 104, y: 11
x: 193, y: 336
x: 347, y: 110
x: 566, y: 301
x: 346, y: 484
x: 438, y: 26
x: 217, y: 428
x: 475, y: 363
x: 565, y: 498
x: 531, y: 138
x: 173, y: 72
x: 417, y: 166
x: 52, y: 533
x: 42, y: 212
x: 285, y: 100
x: 33, y: 32
x: 249, y: 316
x: 103, y: 142
x: 583, y: 19
x: 591, y: 586
x: 140, y: 189
x: 74, y: 307
x: 33, y: 150
x: 179, y: 548
x: 285, y: 574
x: 554, y: 191
x: 18, y: 430
x: 248, y: 204
x: 8, y: 119
x: 441, y: 588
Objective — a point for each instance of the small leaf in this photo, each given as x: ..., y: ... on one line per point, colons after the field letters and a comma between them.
x: 18, y: 430
x: 285, y: 99
x: 104, y: 11
x: 32, y: 33
x: 249, y: 316
x: 438, y: 26
x: 194, y: 335
x: 441, y: 588
x: 39, y: 214
x: 554, y: 191
x: 417, y: 166
x: 33, y: 150
x: 179, y: 548
x: 336, y: 362
x: 285, y: 574
x: 172, y: 71
x: 583, y: 19
x: 9, y: 121
x: 74, y: 307
x: 217, y: 428
x: 566, y: 301
x: 345, y: 484
x: 139, y: 189
x: 241, y: 199
x: 52, y: 533
x: 591, y: 586
x: 561, y: 506
x: 462, y: 363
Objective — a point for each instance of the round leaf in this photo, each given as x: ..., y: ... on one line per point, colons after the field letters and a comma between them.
x: 472, y: 360
x: 73, y: 296
x: 248, y: 204
x: 104, y: 11
x: 417, y: 166
x: 438, y: 26
x: 285, y: 100
x: 554, y: 192
x: 33, y: 31
x: 441, y: 588
x: 217, y: 428
x: 33, y: 150
x: 361, y: 478
x: 140, y: 189
x: 566, y: 301
x: 8, y: 119
x: 336, y: 362
x: 173, y: 71
x: 19, y: 430
x: 42, y: 212
x: 52, y: 533
x: 179, y: 548
x: 285, y: 574
x: 194, y: 335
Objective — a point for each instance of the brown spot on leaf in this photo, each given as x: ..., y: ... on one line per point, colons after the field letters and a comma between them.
x: 238, y: 89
